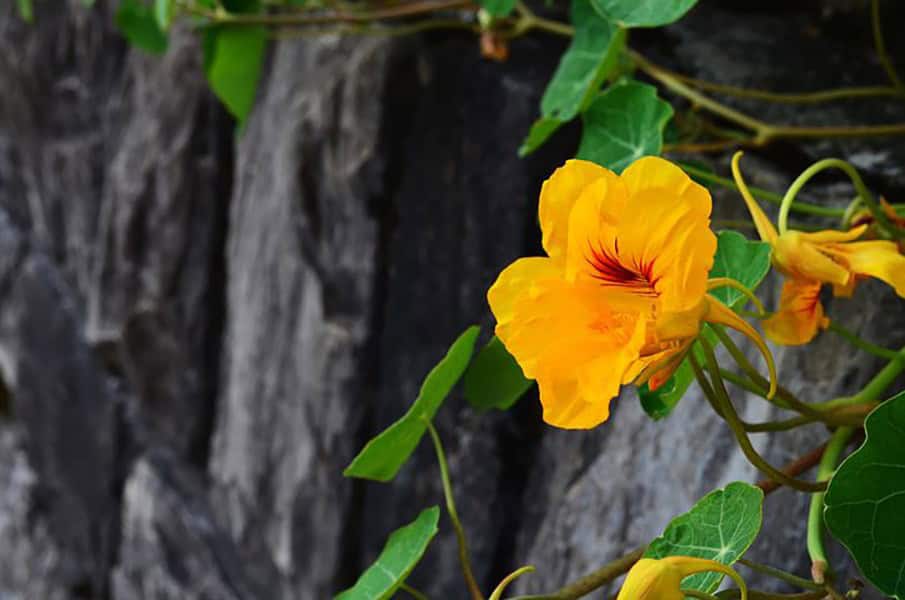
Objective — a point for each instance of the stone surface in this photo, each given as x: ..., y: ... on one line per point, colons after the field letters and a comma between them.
x: 198, y: 330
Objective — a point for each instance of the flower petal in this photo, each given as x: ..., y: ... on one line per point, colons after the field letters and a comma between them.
x: 799, y: 259
x: 557, y: 197
x: 880, y: 259
x: 833, y: 235
x: 800, y: 315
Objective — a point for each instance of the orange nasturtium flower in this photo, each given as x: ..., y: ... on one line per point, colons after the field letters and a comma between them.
x: 622, y: 292
x: 661, y: 579
x: 810, y: 260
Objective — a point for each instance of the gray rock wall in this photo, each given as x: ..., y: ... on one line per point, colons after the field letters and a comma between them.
x: 199, y: 330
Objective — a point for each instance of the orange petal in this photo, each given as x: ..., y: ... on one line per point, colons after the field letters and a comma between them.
x: 660, y: 245
x: 800, y: 315
x: 557, y: 197
x: 800, y: 259
x: 832, y: 235
x: 880, y: 259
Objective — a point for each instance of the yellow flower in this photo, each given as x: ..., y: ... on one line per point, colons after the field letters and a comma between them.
x: 661, y: 579
x: 622, y: 291
x: 810, y: 260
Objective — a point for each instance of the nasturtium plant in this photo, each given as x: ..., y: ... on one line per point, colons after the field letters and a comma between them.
x: 137, y: 21
x: 642, y: 13
x: 385, y: 454
x: 622, y: 124
x: 865, y: 501
x: 494, y: 379
x: 593, y: 53
x: 403, y: 549
x: 720, y: 527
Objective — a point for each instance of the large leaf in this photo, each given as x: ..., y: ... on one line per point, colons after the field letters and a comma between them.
x: 594, y: 51
x: 137, y: 22
x: 403, y: 550
x: 385, y: 454
x: 623, y: 124
x: 643, y: 13
x: 736, y: 258
x: 233, y: 56
x: 494, y: 379
x: 721, y: 527
x: 742, y: 260
x: 865, y: 502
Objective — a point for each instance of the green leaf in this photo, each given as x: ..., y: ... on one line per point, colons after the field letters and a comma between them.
x: 541, y: 130
x: 742, y: 260
x: 138, y: 23
x: 593, y: 53
x: 233, y: 56
x: 659, y: 404
x: 865, y: 501
x: 643, y: 13
x: 26, y: 11
x: 494, y: 379
x: 163, y: 13
x: 385, y: 454
x: 403, y: 550
x: 721, y: 527
x: 623, y: 124
x: 497, y: 8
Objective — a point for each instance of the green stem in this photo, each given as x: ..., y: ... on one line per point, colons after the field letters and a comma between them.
x: 880, y: 46
x: 759, y: 193
x: 697, y: 594
x: 592, y: 581
x: 412, y: 592
x: 756, y: 595
x: 464, y: 559
x: 737, y: 426
x: 862, y: 344
x: 784, y: 398
x: 825, y: 470
x: 780, y: 574
x: 829, y: 163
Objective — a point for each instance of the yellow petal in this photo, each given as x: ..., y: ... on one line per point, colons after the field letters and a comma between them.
x: 800, y: 315
x: 879, y: 259
x: 559, y: 194
x: 761, y: 222
x: 659, y: 246
x: 721, y: 314
x: 832, y: 235
x: 661, y: 579
x: 800, y: 259
x: 567, y: 337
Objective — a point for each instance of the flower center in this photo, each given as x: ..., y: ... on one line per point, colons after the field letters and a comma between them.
x: 609, y: 270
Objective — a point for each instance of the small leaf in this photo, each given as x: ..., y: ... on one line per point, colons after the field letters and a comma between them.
x: 593, y: 53
x: 643, y: 13
x: 403, y: 550
x: 742, y: 260
x: 623, y: 124
x: 385, y: 454
x: 497, y: 8
x: 233, y: 56
x: 494, y: 379
x: 659, y: 404
x: 541, y: 129
x: 138, y: 23
x: 163, y: 13
x: 721, y: 527
x: 865, y: 501
x: 26, y: 11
